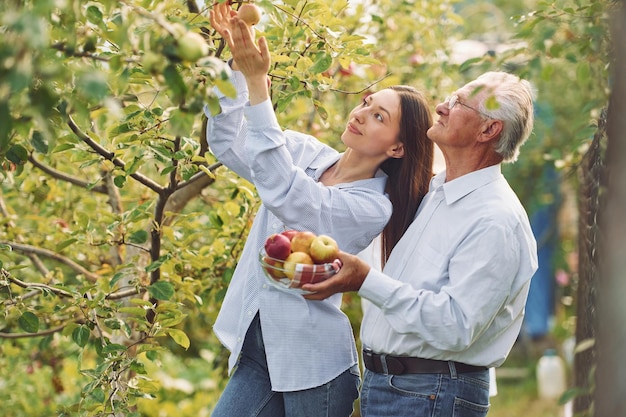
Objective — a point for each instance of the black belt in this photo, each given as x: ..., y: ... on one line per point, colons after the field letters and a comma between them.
x: 398, y: 365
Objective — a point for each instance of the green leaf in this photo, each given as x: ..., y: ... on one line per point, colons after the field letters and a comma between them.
x: 92, y: 85
x: 6, y: 124
x: 39, y: 142
x: 322, y: 63
x: 133, y: 311
x: 161, y: 290
x: 17, y: 154
x: 29, y: 322
x: 181, y: 123
x: 113, y: 347
x: 119, y: 181
x: 64, y: 244
x: 98, y: 395
x: 226, y: 87
x: 116, y: 278
x: 138, y: 237
x: 138, y: 367
x: 94, y: 15
x: 467, y: 64
x: 80, y: 335
x: 174, y: 321
x: 176, y: 83
x: 179, y: 337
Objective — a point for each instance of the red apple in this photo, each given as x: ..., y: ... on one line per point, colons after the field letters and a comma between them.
x: 273, y: 267
x: 295, y: 258
x: 278, y: 246
x: 290, y: 233
x: 347, y: 71
x: 324, y: 249
x: 301, y: 241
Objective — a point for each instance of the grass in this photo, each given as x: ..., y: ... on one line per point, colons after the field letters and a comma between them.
x: 517, y: 388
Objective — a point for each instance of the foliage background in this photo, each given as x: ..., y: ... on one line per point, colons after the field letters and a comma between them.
x: 119, y: 230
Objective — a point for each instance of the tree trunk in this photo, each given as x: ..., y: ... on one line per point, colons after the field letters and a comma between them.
x: 611, y: 331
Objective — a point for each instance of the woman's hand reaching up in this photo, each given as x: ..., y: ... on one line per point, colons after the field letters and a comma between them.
x: 253, y: 60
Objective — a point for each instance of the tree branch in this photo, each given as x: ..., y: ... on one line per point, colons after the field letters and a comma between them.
x: 65, y: 177
x: 28, y: 249
x: 38, y: 334
x: 20, y: 283
x: 41, y: 267
x: 111, y: 156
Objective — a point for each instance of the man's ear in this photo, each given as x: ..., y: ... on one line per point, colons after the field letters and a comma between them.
x: 397, y: 151
x: 492, y: 130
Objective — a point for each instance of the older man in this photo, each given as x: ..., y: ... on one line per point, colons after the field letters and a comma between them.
x: 449, y: 302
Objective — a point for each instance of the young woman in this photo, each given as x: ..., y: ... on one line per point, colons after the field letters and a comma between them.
x: 292, y: 357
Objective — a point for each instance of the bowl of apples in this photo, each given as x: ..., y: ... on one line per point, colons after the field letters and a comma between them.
x: 293, y: 258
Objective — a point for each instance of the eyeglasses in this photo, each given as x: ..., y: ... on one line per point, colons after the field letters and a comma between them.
x: 453, y: 100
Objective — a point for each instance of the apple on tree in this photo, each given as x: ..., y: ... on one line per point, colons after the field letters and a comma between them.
x: 249, y: 13
x: 192, y: 47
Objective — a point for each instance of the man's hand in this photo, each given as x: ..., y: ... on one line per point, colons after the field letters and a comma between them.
x: 349, y: 278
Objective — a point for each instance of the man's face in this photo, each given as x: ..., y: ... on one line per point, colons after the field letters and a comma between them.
x: 460, y: 126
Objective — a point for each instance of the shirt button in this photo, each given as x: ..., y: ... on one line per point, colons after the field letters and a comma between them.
x: 264, y: 285
x: 249, y: 313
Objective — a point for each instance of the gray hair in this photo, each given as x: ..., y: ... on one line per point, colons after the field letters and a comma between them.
x: 507, y: 98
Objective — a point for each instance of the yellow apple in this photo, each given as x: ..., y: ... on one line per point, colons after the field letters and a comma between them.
x: 295, y: 258
x: 323, y: 249
x: 249, y: 13
x: 301, y: 241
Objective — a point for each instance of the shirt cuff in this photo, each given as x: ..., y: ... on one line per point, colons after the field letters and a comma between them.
x: 226, y: 103
x: 261, y: 116
x: 378, y: 288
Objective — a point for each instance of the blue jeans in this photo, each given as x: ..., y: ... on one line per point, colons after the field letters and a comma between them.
x: 249, y: 391
x: 425, y: 395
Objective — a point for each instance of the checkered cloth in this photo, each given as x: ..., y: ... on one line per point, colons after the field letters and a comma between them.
x: 312, y: 274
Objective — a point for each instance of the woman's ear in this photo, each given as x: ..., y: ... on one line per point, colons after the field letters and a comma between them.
x: 396, y: 151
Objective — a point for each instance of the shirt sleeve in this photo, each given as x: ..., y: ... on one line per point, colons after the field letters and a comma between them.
x: 349, y: 212
x: 226, y: 131
x: 477, y: 282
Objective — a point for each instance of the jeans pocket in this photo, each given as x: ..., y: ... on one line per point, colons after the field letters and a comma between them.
x: 472, y: 395
x: 416, y: 385
x: 464, y: 408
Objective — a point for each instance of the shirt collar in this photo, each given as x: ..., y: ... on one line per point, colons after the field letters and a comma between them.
x: 321, y: 165
x: 460, y: 187
x: 377, y: 183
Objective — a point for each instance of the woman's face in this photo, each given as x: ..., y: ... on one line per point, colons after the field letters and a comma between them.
x: 373, y: 126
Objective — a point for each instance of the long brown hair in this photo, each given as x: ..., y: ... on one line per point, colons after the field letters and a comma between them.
x: 409, y: 176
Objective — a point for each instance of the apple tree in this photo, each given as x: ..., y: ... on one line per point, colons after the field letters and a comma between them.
x: 119, y: 229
